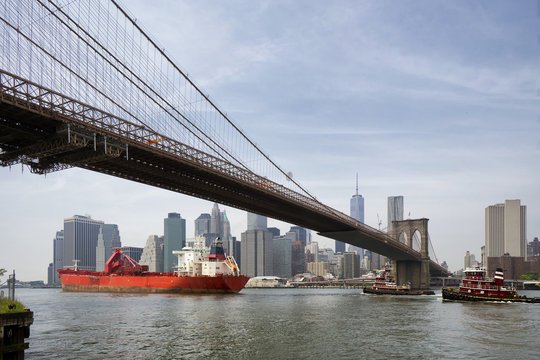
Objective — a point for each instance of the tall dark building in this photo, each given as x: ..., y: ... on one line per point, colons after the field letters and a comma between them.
x: 50, y: 274
x: 351, y: 265
x: 301, y: 234
x: 133, y: 252
x: 237, y: 253
x: 202, y: 224
x: 174, y: 239
x: 275, y: 231
x: 257, y: 253
x: 298, y: 259
x: 534, y: 247
x: 340, y: 247
x: 58, y: 254
x: 80, y: 241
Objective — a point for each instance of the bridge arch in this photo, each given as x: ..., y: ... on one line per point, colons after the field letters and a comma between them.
x: 405, y: 229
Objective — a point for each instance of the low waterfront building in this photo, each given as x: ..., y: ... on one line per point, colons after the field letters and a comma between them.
x: 266, y: 282
x: 513, y: 266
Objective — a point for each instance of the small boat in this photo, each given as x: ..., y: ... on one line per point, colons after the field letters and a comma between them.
x: 477, y: 287
x: 198, y: 271
x: 384, y: 285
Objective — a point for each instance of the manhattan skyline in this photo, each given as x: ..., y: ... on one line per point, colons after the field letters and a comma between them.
x: 440, y: 107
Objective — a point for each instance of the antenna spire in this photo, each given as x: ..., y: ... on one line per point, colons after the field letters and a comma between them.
x: 356, y: 183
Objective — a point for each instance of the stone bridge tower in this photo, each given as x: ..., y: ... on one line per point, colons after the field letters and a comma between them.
x: 414, y: 272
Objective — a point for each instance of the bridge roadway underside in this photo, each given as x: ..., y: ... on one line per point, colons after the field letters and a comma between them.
x: 48, y: 141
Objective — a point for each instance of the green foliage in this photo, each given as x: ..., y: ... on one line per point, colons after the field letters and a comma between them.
x: 7, y: 306
x: 2, y: 272
x: 529, y: 276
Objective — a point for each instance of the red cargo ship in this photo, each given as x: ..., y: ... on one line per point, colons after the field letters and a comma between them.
x: 198, y: 272
x: 477, y: 287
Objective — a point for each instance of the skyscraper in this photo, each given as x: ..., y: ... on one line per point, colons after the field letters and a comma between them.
x: 225, y: 235
x: 313, y: 248
x: 133, y: 252
x: 395, y: 210
x: 275, y: 231
x: 357, y: 212
x: 256, y: 247
x: 174, y: 239
x: 58, y: 254
x: 301, y: 234
x: 50, y: 274
x: 202, y: 224
x: 340, y: 247
x: 257, y: 253
x: 467, y: 261
x: 357, y: 205
x: 351, y: 265
x: 394, y: 213
x: 282, y: 247
x: 256, y: 222
x: 215, y: 220
x: 80, y: 241
x: 108, y: 240
x: 152, y: 254
x: 211, y: 226
x: 506, y: 228
x: 100, y: 251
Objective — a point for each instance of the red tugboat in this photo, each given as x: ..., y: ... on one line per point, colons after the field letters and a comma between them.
x: 198, y: 272
x: 477, y: 287
x: 384, y: 285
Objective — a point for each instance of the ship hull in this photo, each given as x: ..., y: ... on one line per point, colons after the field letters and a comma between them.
x: 370, y: 290
x: 454, y: 294
x: 158, y: 283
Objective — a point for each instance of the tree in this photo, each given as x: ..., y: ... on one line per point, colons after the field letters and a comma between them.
x: 2, y: 272
x: 531, y: 275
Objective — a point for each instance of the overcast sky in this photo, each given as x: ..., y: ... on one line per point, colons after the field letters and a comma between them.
x: 433, y: 100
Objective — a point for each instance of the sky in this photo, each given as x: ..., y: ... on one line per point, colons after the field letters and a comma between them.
x: 433, y: 100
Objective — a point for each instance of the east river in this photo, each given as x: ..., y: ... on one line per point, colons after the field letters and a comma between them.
x: 277, y: 324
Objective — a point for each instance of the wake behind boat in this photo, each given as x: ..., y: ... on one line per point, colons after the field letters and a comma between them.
x: 198, y: 271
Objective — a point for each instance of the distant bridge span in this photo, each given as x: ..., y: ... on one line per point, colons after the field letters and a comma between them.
x: 49, y: 131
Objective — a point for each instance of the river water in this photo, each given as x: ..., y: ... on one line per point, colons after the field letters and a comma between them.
x: 277, y: 324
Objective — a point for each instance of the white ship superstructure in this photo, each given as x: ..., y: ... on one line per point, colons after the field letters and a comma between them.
x: 199, y: 260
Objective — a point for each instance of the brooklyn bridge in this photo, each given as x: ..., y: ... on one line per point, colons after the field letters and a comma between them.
x: 84, y: 85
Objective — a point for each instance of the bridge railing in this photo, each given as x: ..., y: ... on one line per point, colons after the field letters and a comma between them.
x: 38, y: 99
